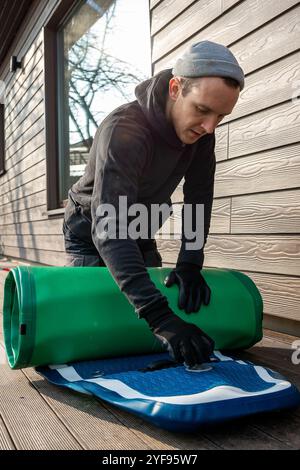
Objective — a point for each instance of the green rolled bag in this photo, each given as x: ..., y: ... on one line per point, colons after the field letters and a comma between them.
x: 54, y: 315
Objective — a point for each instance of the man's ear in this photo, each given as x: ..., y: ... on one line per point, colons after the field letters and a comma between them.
x: 174, y: 88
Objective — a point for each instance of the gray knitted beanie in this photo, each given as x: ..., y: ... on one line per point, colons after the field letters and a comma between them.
x: 209, y: 59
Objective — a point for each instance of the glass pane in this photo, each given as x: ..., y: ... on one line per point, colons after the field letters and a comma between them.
x: 104, y: 52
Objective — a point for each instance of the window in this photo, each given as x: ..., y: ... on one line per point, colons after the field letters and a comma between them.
x: 102, y: 51
x: 2, y: 140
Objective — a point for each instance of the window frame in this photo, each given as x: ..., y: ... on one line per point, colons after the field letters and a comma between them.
x: 2, y: 140
x: 53, y: 142
x: 51, y: 105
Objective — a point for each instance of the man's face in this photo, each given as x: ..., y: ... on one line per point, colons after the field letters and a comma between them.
x: 200, y: 111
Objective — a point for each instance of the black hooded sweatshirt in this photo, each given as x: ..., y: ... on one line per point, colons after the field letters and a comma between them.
x: 136, y: 153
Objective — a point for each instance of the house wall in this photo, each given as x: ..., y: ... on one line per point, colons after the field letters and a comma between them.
x: 255, y: 222
x: 26, y: 229
x: 256, y: 213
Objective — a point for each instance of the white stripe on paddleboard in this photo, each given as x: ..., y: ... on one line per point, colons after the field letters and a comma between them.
x: 223, y: 392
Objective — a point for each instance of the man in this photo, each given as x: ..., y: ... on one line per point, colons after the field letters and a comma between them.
x: 142, y: 150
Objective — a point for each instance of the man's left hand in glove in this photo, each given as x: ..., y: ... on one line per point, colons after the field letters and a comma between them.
x: 193, y: 290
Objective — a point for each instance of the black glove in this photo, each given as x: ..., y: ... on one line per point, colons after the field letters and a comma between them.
x: 193, y: 289
x: 185, y: 342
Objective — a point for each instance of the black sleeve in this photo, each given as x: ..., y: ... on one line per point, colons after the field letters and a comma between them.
x: 198, y: 188
x: 122, y: 155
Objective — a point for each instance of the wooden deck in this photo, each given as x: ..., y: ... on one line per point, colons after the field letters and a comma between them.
x: 37, y: 415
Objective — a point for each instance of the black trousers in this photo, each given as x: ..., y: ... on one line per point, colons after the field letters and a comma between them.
x: 82, y: 252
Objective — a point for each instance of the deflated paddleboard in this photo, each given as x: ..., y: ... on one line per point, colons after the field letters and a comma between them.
x: 173, y: 397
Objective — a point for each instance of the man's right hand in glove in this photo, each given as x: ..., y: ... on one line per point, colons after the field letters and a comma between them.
x: 185, y: 342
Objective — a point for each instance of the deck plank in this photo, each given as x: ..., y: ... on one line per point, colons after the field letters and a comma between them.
x: 5, y: 441
x: 282, y: 425
x: 161, y: 439
x: 94, y: 426
x: 241, y: 434
x: 27, y: 417
x: 276, y: 355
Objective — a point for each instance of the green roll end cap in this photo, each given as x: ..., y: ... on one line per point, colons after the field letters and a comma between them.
x: 19, y: 316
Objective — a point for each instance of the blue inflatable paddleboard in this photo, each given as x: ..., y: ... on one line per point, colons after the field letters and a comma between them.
x: 173, y: 397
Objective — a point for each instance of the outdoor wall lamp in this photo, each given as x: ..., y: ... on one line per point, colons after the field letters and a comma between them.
x: 15, y: 64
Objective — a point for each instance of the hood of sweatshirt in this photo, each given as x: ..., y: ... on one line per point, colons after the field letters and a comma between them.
x: 151, y: 95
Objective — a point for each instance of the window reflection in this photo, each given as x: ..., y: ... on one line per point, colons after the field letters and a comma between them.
x: 104, y: 51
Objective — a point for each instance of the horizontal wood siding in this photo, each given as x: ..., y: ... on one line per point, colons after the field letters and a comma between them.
x: 249, y: 17
x: 23, y: 196
x: 256, y: 213
x: 269, y: 254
